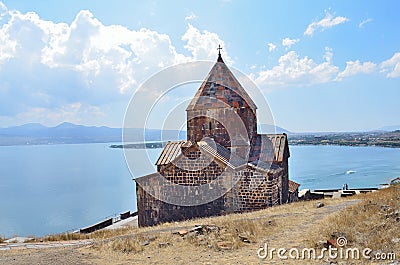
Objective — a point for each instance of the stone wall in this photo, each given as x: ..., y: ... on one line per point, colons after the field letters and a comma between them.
x: 294, y: 196
x: 152, y: 211
x: 285, y: 181
x: 208, y: 169
x: 255, y: 189
x: 252, y: 190
x: 221, y: 124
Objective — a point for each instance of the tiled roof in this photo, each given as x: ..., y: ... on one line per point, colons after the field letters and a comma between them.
x: 259, y: 165
x: 293, y: 186
x: 279, y: 141
x: 221, y: 153
x: 145, y: 178
x: 269, y: 148
x: 221, y: 88
x: 171, y: 151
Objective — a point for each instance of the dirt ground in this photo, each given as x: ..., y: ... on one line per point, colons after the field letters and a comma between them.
x: 66, y: 255
x: 298, y: 224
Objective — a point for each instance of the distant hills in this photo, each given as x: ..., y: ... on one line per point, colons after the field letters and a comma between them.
x: 69, y: 133
x: 389, y: 128
x: 65, y: 129
x: 267, y: 128
x: 35, y: 133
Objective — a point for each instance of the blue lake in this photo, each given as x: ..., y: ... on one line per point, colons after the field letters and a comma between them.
x: 55, y: 188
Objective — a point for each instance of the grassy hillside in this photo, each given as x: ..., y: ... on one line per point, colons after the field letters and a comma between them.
x: 374, y: 223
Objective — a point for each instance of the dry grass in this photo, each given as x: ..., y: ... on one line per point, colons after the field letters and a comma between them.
x: 136, y: 243
x: 249, y: 224
x: 227, y: 232
x: 373, y: 223
x: 230, y: 239
x: 100, y: 235
x: 276, y: 211
x: 234, y: 239
x: 64, y: 237
x: 127, y: 244
x: 222, y: 240
x: 108, y: 233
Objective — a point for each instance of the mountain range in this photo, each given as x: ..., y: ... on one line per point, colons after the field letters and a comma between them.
x: 69, y: 133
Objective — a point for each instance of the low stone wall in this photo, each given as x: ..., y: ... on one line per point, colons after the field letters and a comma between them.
x: 152, y: 211
x: 97, y: 226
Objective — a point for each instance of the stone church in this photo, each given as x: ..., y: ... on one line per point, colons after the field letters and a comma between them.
x: 224, y: 166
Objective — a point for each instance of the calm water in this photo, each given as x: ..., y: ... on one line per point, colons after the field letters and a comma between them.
x: 55, y: 188
x: 324, y: 167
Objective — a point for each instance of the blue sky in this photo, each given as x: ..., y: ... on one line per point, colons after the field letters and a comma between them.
x: 322, y: 65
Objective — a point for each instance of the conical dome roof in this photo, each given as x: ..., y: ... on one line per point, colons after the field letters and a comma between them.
x: 219, y: 89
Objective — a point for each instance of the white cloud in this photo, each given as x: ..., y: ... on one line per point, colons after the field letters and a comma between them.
x: 75, y: 112
x: 3, y: 10
x: 271, y: 47
x: 203, y: 44
x: 327, y: 22
x: 47, y: 67
x: 391, y: 66
x: 7, y: 47
x: 191, y: 16
x: 328, y: 54
x: 98, y: 51
x: 100, y: 62
x: 354, y: 68
x: 362, y: 23
x: 293, y: 70
x: 286, y: 42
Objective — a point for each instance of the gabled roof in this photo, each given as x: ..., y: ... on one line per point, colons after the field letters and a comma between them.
x: 222, y: 154
x: 269, y: 148
x: 273, y: 146
x: 266, y: 167
x: 280, y: 143
x: 293, y: 186
x: 170, y: 152
x: 220, y: 88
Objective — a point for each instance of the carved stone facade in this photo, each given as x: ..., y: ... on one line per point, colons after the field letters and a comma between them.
x: 222, y: 140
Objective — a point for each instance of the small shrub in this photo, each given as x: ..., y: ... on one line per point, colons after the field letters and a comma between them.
x: 108, y: 233
x: 225, y: 233
x: 127, y: 245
